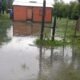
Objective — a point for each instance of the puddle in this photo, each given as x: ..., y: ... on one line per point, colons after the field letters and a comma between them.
x: 21, y: 61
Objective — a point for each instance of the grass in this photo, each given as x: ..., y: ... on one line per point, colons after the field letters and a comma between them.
x: 4, y: 17
x: 61, y: 26
x: 5, y: 23
x: 60, y: 30
x: 50, y: 43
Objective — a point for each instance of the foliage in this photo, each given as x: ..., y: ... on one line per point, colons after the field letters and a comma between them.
x: 75, y: 10
x: 60, y: 29
x: 49, y: 43
x: 4, y: 17
x: 71, y: 10
x: 4, y: 4
x: 4, y: 25
x: 9, y: 5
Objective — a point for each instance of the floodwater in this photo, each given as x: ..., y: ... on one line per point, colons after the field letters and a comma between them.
x: 21, y: 59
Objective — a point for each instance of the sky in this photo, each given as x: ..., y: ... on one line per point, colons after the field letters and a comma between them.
x: 66, y: 1
x: 51, y: 1
x: 48, y: 1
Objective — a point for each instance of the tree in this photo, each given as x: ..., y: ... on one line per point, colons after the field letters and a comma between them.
x: 0, y: 6
x: 9, y: 4
x: 3, y: 5
x: 71, y: 10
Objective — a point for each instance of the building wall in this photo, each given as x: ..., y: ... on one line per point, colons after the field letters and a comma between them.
x: 37, y: 12
x: 31, y: 13
x: 19, y: 13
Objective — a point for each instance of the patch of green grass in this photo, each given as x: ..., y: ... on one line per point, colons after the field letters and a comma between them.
x: 5, y: 23
x: 50, y: 43
x: 4, y: 17
x: 60, y: 31
x: 61, y: 26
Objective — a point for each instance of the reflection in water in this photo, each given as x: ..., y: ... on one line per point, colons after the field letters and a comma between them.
x: 76, y: 57
x: 51, y: 57
x: 40, y: 63
x: 56, y: 66
x: 45, y: 65
x: 21, y: 61
x: 26, y: 29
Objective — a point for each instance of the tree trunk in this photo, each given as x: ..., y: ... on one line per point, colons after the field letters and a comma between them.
x: 78, y: 24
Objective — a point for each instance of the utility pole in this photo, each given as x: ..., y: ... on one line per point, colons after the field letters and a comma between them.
x: 43, y: 19
x: 77, y: 27
x: 54, y: 26
x: 79, y: 14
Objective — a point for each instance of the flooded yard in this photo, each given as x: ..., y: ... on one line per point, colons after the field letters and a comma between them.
x: 21, y: 59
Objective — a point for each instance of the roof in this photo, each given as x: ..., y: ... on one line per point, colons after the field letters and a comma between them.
x: 33, y: 3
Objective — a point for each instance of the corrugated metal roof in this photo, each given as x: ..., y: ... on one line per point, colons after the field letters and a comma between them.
x: 33, y: 3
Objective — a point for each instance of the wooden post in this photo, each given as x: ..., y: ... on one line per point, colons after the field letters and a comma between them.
x: 54, y: 26
x: 43, y: 19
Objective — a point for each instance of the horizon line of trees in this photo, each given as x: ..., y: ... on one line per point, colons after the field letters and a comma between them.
x: 62, y: 10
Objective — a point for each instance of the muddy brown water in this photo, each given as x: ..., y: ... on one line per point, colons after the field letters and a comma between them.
x: 21, y: 59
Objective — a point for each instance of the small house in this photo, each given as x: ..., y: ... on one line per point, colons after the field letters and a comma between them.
x: 24, y: 10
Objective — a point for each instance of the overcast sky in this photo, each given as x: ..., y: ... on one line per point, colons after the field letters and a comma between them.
x: 48, y: 1
x: 66, y: 1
